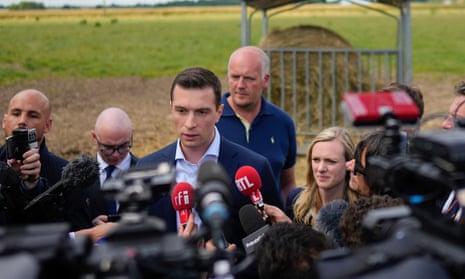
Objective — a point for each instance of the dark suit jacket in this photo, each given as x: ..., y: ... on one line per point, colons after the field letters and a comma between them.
x: 231, y: 156
x: 50, y: 172
x: 88, y: 203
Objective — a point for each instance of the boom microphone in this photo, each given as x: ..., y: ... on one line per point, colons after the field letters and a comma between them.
x: 81, y: 172
x: 249, y: 183
x: 253, y: 225
x: 182, y: 199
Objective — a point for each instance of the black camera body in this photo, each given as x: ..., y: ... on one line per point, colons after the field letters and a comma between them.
x: 21, y: 141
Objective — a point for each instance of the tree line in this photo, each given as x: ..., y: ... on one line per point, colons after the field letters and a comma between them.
x: 30, y: 5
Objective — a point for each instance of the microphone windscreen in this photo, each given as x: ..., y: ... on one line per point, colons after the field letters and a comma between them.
x: 250, y: 219
x: 82, y: 171
x: 182, y: 196
x: 247, y: 180
x: 211, y: 170
x: 327, y: 220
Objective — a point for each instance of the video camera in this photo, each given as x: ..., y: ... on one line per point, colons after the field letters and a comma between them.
x: 21, y: 141
x: 416, y: 240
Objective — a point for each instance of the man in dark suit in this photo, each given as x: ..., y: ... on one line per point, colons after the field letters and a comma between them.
x: 113, y: 137
x: 195, y: 108
x: 30, y: 109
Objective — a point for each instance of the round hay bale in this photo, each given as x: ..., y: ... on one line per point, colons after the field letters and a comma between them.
x: 304, y: 81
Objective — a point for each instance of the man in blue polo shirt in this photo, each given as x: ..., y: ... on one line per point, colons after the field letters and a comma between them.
x: 251, y: 121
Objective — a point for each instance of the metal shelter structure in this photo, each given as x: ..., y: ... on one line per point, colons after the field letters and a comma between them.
x: 308, y: 82
x: 404, y: 70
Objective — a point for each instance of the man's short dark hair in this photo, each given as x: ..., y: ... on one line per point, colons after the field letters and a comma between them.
x: 288, y: 250
x: 198, y: 78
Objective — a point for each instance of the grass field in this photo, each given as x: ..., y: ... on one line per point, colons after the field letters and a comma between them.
x: 159, y: 42
x: 85, y: 61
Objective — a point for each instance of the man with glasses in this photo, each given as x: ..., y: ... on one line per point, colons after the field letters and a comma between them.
x: 112, y: 136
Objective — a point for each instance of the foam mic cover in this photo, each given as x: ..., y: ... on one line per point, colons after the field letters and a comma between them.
x: 182, y: 199
x: 249, y: 183
x: 253, y: 225
x: 81, y: 172
x: 327, y: 220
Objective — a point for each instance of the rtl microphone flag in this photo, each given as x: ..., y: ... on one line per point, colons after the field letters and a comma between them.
x: 182, y: 199
x: 248, y: 181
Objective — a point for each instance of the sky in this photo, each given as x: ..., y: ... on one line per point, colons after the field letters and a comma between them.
x: 90, y: 3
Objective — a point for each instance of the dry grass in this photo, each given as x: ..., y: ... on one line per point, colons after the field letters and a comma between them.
x: 76, y: 104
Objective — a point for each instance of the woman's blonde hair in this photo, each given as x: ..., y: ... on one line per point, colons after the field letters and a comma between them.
x: 309, y: 201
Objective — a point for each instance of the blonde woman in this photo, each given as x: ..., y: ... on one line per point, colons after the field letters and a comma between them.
x: 327, y: 176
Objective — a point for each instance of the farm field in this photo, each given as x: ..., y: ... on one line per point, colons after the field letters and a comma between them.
x: 87, y: 60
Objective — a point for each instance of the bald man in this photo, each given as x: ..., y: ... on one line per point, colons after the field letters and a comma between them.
x: 112, y: 136
x: 39, y: 168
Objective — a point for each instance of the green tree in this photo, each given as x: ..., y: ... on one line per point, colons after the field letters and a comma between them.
x: 26, y: 5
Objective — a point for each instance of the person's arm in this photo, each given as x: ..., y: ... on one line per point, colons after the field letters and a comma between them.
x: 287, y: 182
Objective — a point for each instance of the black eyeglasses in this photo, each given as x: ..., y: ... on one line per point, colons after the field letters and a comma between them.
x: 358, y: 168
x: 108, y: 150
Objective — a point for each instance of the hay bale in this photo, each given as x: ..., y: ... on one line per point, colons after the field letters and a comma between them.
x: 312, y: 75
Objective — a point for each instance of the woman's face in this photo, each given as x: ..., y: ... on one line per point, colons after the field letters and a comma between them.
x: 329, y: 165
x: 357, y: 178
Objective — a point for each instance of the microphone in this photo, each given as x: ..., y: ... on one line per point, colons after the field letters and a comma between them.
x: 253, y: 225
x: 182, y: 199
x: 327, y: 220
x: 248, y: 182
x: 213, y: 199
x: 80, y: 172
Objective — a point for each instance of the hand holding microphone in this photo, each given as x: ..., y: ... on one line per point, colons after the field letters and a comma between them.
x: 182, y: 199
x: 248, y: 182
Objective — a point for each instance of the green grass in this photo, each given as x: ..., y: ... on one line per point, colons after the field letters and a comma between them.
x: 153, y: 46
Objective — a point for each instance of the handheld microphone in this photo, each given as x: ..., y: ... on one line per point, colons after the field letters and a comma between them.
x: 182, y: 199
x: 253, y: 225
x: 81, y: 172
x: 248, y: 182
x: 213, y: 199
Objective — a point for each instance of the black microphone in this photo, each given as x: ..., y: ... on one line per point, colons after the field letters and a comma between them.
x: 213, y: 199
x: 253, y: 225
x: 81, y: 172
x: 327, y: 220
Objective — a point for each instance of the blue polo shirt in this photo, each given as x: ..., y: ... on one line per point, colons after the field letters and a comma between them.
x: 271, y: 134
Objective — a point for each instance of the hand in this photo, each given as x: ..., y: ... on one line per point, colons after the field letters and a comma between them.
x: 97, y: 232
x: 188, y: 229
x: 99, y: 220
x: 276, y: 215
x: 29, y: 168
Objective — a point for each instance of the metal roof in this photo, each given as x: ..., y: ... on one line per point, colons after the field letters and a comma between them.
x: 269, y: 4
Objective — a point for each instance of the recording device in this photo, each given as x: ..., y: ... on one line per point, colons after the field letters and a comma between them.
x: 81, y: 172
x: 135, y: 188
x: 413, y: 241
x: 248, y: 182
x: 213, y: 199
x: 182, y: 199
x: 372, y: 108
x: 253, y: 225
x: 21, y: 141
